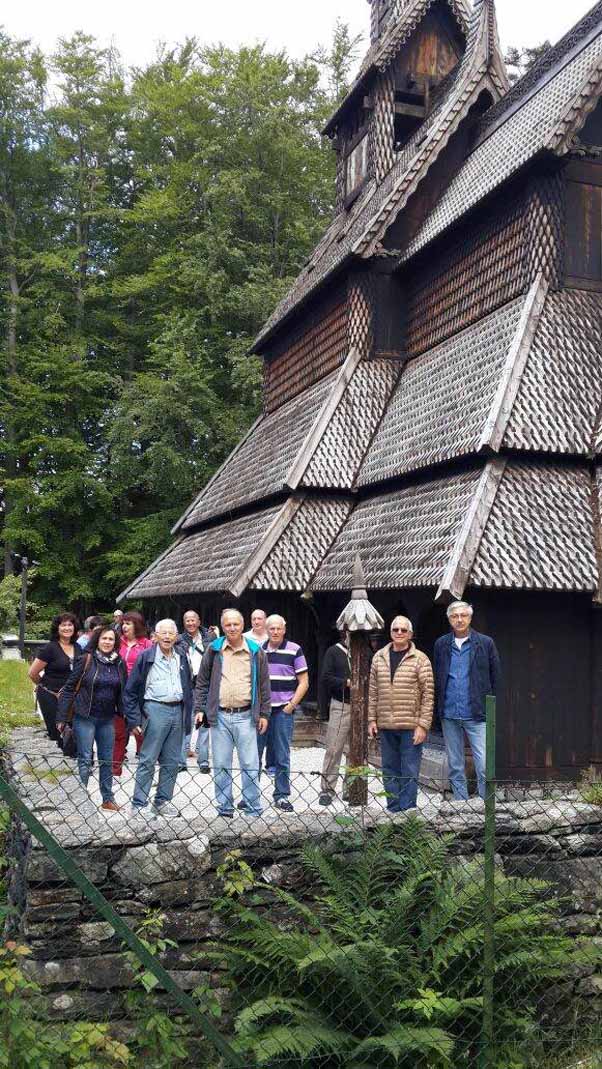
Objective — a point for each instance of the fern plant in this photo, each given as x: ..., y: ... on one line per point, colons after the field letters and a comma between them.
x: 383, y: 969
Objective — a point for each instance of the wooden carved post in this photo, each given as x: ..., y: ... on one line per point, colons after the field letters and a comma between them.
x: 358, y: 618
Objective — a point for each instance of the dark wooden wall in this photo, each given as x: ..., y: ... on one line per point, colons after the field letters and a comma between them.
x: 309, y: 350
x: 550, y: 722
x: 494, y: 257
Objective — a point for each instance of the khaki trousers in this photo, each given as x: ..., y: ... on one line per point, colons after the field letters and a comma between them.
x: 337, y: 736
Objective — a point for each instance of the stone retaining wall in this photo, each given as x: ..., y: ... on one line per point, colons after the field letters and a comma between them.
x: 172, y: 866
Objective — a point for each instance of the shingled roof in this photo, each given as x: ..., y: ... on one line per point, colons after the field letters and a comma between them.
x: 318, y: 440
x: 541, y: 115
x: 509, y: 524
x: 254, y: 550
x: 357, y: 232
x: 450, y: 401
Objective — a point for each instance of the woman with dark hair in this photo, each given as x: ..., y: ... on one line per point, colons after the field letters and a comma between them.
x: 52, y: 667
x: 93, y: 696
x: 133, y: 642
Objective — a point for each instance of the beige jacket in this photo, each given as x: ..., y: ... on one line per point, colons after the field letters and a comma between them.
x: 407, y: 702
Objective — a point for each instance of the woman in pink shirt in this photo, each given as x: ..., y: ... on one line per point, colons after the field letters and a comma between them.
x: 133, y: 642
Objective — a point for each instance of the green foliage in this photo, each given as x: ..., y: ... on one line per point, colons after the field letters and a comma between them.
x: 16, y: 698
x: 160, y: 1038
x: 236, y: 875
x: 26, y: 1044
x: 149, y: 221
x: 591, y: 786
x: 520, y: 60
x: 383, y: 967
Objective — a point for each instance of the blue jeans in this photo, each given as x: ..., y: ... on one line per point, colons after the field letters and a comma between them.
x: 87, y: 730
x: 163, y: 733
x: 277, y: 741
x: 453, y: 733
x: 202, y: 747
x: 401, y: 768
x: 235, y: 731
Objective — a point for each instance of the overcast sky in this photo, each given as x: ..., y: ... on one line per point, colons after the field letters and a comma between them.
x: 136, y: 26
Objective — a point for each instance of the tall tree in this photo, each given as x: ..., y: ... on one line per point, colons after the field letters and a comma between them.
x: 23, y: 187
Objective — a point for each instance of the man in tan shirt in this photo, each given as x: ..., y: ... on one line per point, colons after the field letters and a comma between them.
x: 233, y: 697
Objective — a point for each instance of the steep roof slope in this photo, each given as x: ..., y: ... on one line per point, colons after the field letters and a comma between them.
x: 541, y: 114
x: 356, y: 233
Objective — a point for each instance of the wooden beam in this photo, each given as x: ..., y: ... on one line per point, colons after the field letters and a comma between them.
x: 265, y: 547
x: 457, y: 571
x: 413, y: 111
x: 313, y: 439
x: 503, y: 402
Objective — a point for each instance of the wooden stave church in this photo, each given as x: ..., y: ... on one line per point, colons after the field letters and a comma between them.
x: 433, y: 380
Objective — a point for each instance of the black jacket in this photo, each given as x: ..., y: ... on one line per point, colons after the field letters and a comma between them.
x: 336, y: 670
x: 133, y: 697
x: 485, y: 671
x: 86, y: 669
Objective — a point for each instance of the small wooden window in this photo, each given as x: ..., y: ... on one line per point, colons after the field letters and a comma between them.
x: 356, y: 167
x: 583, y: 239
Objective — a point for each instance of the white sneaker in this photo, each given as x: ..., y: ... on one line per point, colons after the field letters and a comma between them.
x: 166, y: 809
x: 141, y: 813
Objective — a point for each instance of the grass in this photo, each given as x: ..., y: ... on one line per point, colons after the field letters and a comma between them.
x: 16, y: 698
x: 50, y: 775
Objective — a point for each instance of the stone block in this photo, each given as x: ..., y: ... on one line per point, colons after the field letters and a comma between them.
x: 157, y: 862
x: 579, y: 879
x: 105, y: 971
x: 40, y: 868
x: 189, y: 926
x: 85, y: 1006
x: 590, y: 986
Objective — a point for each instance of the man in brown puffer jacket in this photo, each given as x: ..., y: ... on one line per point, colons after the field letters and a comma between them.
x: 400, y: 710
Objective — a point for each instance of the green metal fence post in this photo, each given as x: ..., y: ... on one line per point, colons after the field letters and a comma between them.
x: 232, y: 1060
x: 487, y: 1060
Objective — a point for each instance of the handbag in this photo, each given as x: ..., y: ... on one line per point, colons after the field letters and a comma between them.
x: 69, y: 746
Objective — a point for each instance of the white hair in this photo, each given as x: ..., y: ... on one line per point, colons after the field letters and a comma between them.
x: 406, y: 620
x: 459, y: 605
x: 191, y: 612
x: 166, y: 625
x: 275, y: 618
x: 236, y: 612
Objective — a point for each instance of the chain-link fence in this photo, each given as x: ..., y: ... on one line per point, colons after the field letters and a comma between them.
x: 456, y: 934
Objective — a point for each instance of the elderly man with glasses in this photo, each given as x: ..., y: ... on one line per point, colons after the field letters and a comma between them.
x: 400, y: 712
x: 467, y: 669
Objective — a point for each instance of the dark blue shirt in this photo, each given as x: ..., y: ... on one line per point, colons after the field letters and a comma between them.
x: 457, y: 691
x: 107, y: 686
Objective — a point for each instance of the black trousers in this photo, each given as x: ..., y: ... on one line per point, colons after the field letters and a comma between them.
x: 49, y: 707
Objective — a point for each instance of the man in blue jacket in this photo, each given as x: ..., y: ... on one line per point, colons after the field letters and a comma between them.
x: 233, y: 698
x: 467, y: 669
x: 158, y: 705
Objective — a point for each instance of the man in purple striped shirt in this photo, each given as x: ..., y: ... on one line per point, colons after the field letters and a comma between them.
x: 289, y: 681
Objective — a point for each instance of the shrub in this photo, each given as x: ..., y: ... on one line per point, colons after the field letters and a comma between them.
x: 384, y: 968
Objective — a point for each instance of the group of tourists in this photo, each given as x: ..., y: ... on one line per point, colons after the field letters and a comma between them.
x: 240, y: 690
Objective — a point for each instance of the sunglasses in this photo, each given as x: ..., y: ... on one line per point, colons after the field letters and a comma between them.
x: 400, y: 630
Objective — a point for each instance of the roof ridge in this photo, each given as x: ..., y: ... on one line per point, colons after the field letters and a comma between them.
x: 481, y: 60
x: 545, y: 68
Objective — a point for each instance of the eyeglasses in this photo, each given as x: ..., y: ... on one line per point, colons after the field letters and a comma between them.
x: 400, y: 630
